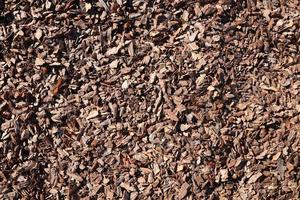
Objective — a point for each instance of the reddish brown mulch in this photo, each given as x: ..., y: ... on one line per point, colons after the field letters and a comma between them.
x: 149, y: 99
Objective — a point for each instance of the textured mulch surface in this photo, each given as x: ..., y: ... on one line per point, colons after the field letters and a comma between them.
x: 138, y: 99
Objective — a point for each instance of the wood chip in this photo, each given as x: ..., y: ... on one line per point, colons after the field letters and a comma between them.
x: 92, y: 114
x: 254, y: 178
x: 183, y: 191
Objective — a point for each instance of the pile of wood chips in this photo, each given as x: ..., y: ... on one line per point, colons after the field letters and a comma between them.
x: 149, y: 99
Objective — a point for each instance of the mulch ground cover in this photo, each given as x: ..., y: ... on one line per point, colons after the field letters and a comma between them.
x: 149, y: 99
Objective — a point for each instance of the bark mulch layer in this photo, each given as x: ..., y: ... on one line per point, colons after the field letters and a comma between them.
x: 143, y: 99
